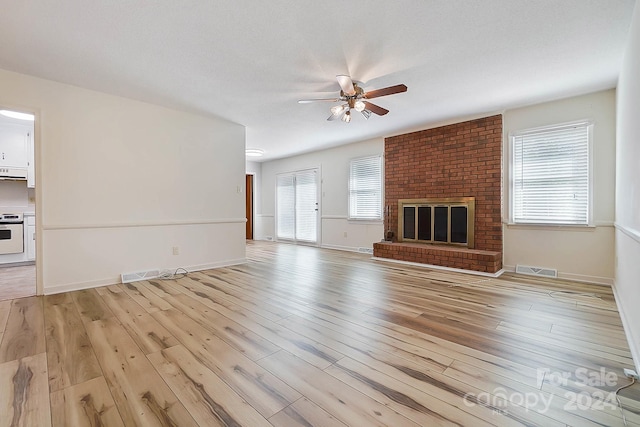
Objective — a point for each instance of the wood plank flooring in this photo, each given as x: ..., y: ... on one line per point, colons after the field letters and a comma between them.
x: 17, y: 281
x: 301, y: 336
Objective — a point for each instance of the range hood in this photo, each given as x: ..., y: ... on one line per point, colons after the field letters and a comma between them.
x: 18, y: 174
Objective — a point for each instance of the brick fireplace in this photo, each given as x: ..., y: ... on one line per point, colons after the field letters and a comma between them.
x: 459, y: 161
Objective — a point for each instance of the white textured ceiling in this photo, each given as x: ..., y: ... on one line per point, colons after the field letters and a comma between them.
x: 249, y: 61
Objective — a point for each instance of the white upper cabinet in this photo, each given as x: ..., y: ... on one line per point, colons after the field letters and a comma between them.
x: 13, y: 145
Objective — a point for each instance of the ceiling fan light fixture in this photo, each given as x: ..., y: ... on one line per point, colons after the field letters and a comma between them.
x: 335, y: 110
x: 356, y: 99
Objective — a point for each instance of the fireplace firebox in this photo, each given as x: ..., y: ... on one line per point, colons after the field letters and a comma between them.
x: 448, y: 221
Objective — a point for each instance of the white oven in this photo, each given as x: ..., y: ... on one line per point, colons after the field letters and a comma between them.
x: 11, y: 234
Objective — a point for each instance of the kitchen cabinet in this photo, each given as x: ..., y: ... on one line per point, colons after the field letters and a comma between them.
x: 31, y: 171
x: 31, y: 242
x: 13, y: 145
x: 30, y: 238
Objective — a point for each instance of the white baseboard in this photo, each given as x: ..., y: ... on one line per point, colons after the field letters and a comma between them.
x: 219, y: 264
x: 340, y: 248
x: 359, y: 249
x: 78, y: 286
x: 441, y: 267
x: 595, y: 280
x: 633, y: 346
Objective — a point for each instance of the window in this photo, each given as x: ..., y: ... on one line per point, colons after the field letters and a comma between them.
x: 550, y: 175
x: 365, y: 188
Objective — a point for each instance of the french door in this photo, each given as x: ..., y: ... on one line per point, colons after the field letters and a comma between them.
x: 297, y: 206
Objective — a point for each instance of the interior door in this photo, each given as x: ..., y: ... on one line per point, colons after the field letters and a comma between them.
x: 297, y: 206
x: 249, y: 206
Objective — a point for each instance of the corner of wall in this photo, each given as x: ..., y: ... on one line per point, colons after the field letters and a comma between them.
x: 627, y: 237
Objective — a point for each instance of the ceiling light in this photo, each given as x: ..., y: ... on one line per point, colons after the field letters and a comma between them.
x: 347, y: 117
x: 17, y: 115
x: 338, y: 109
x: 254, y: 152
x: 359, y: 106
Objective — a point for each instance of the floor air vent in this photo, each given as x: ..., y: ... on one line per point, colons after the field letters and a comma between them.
x: 140, y: 275
x: 536, y: 271
x: 365, y: 250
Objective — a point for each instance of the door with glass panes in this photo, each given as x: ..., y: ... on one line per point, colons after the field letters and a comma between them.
x: 297, y: 206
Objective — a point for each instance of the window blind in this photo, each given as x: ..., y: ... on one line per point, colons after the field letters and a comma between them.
x: 551, y: 175
x: 285, y: 205
x: 365, y: 188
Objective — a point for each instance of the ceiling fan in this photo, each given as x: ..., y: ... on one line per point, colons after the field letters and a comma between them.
x: 353, y: 97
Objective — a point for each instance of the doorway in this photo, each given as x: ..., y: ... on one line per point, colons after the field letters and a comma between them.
x: 17, y: 204
x: 297, y: 206
x: 249, y: 205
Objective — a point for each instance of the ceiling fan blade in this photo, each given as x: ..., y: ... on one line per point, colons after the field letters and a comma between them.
x: 307, y: 101
x: 385, y: 91
x: 346, y: 84
x: 334, y: 117
x: 375, y: 109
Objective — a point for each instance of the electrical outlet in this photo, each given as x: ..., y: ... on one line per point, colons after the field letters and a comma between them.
x: 630, y: 373
x: 345, y: 234
x: 176, y: 250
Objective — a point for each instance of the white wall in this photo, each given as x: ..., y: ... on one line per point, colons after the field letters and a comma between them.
x: 581, y: 253
x: 121, y: 182
x: 333, y: 165
x: 627, y: 283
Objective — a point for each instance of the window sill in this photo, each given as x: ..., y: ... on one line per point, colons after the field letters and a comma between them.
x: 551, y: 227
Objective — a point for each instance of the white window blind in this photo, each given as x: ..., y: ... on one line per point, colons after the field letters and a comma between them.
x: 551, y: 175
x: 285, y: 205
x: 365, y: 188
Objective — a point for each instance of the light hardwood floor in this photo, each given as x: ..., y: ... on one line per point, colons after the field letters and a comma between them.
x: 17, y: 281
x: 301, y: 336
